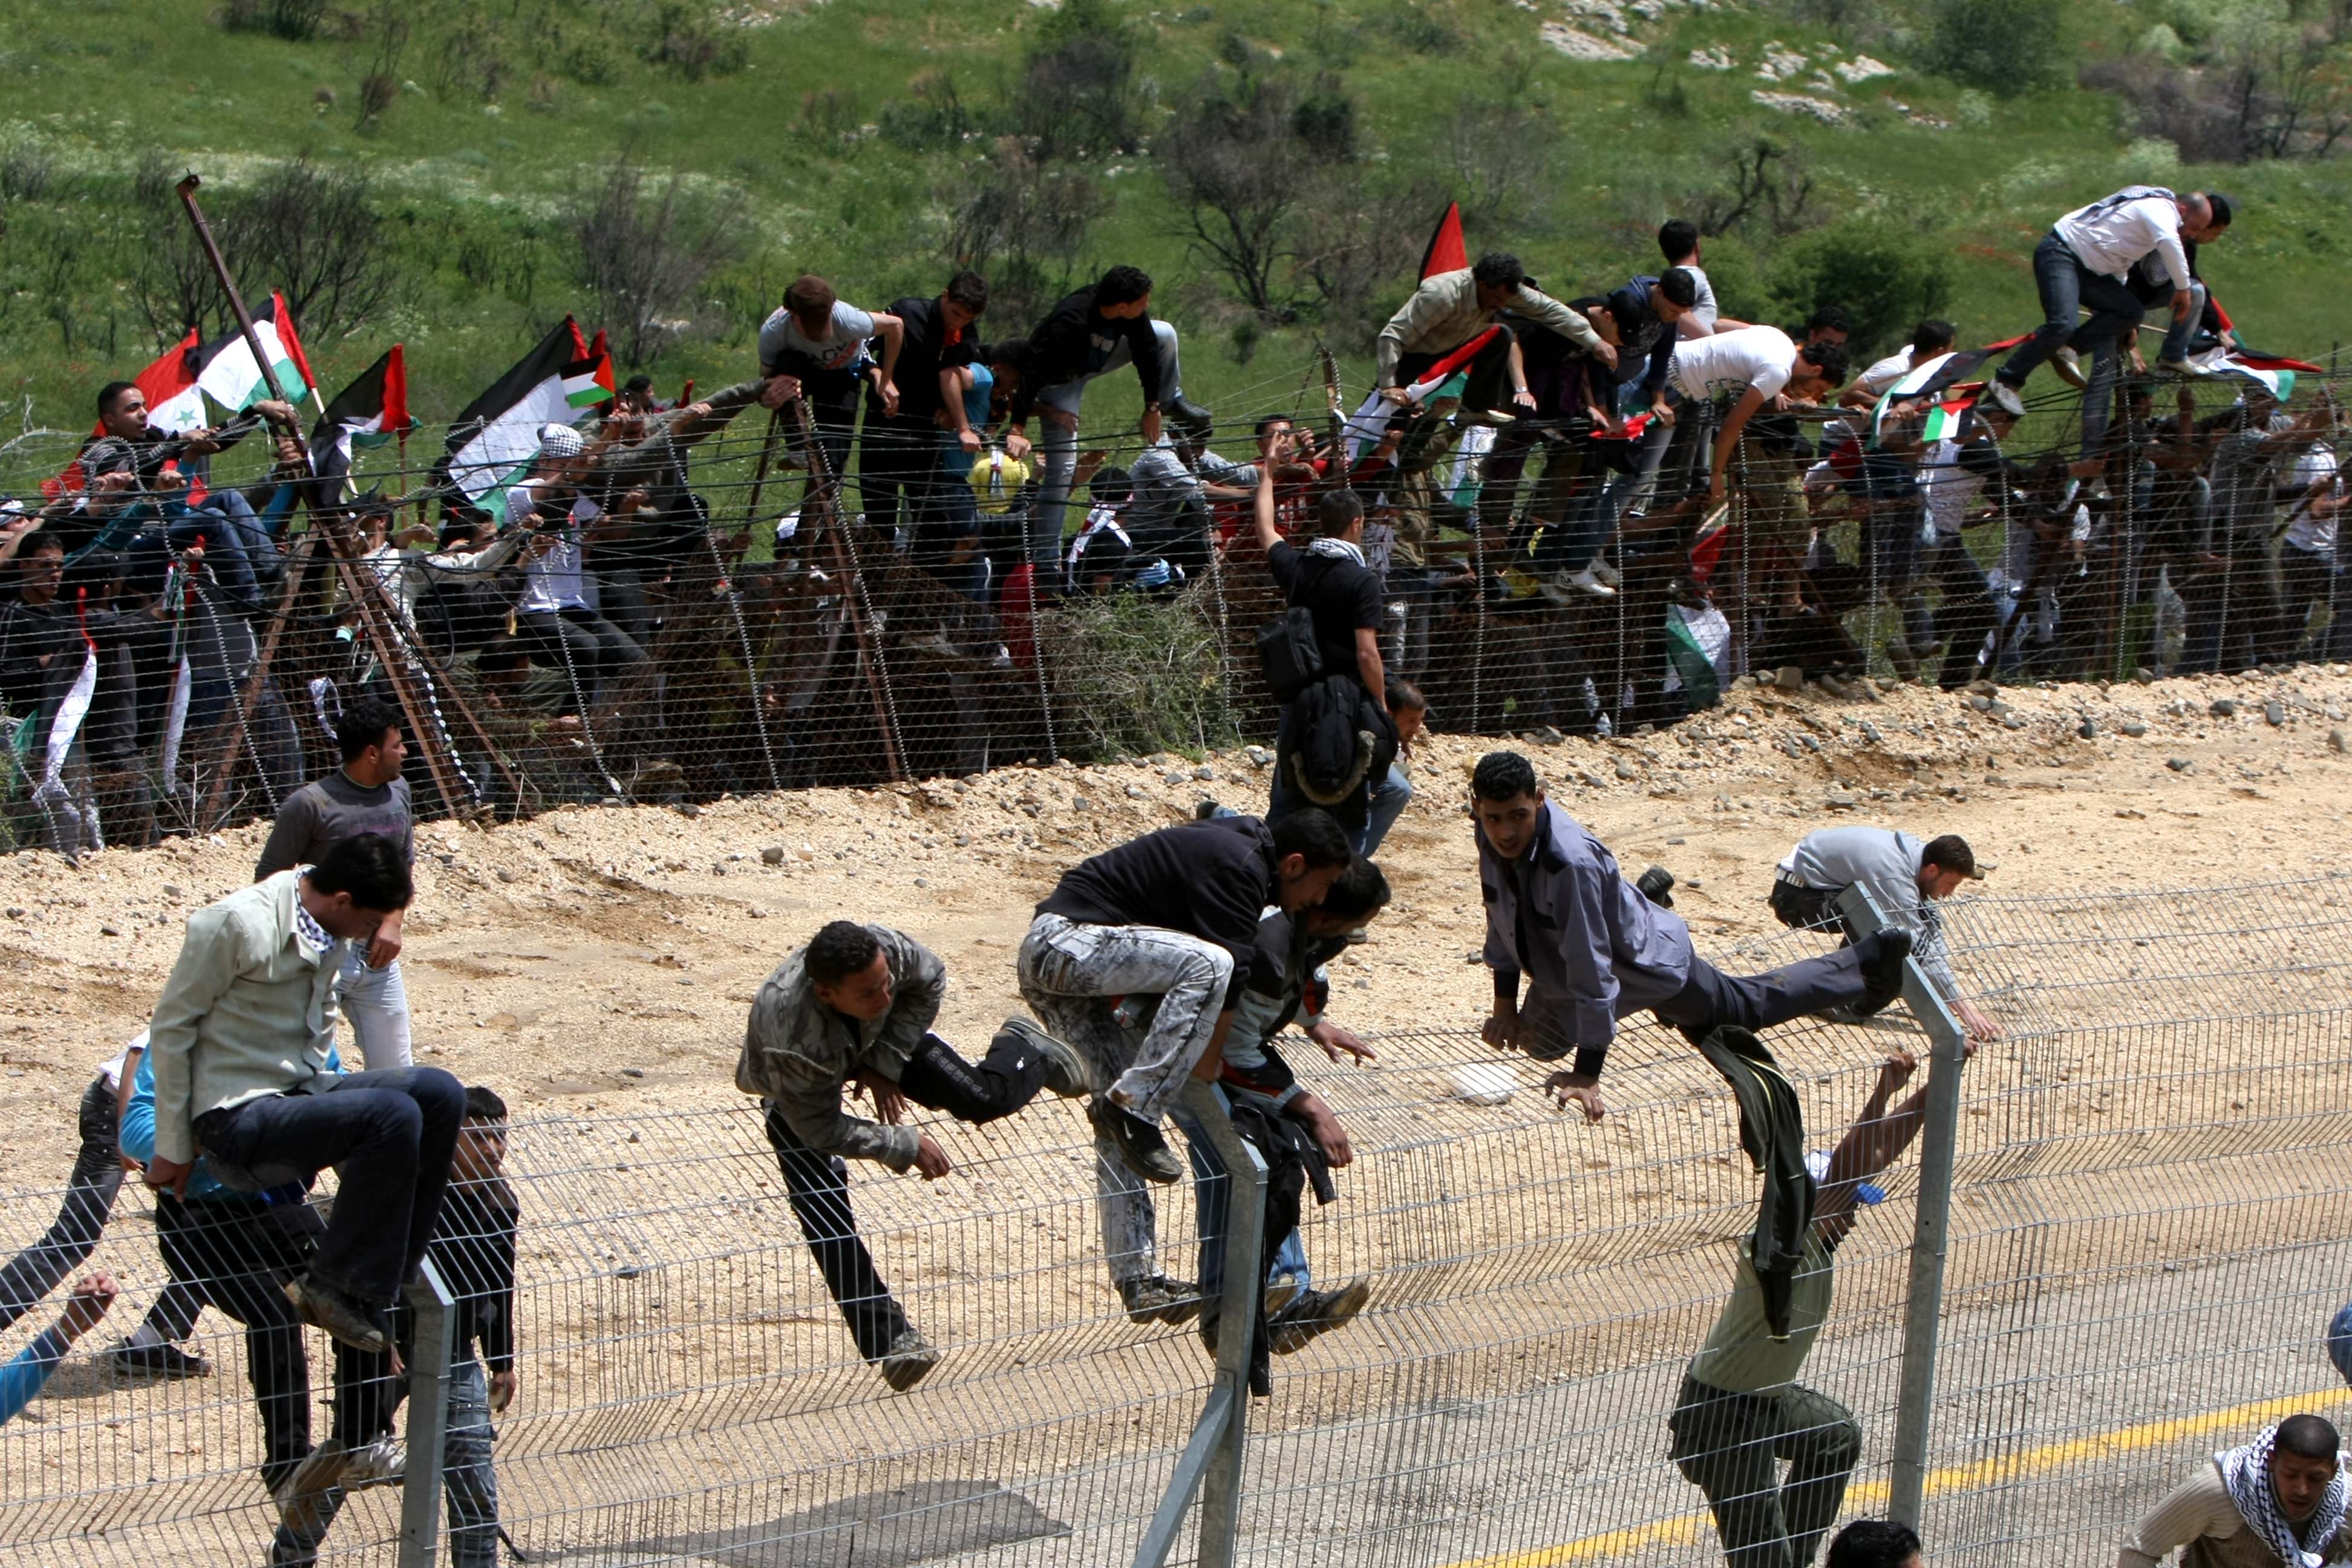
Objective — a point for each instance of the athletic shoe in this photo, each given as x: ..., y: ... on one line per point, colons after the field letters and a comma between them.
x: 2180, y: 367
x: 1141, y: 1148
x: 382, y: 1462
x: 1905, y: 662
x: 1657, y: 885
x: 1495, y: 416
x: 324, y: 1306
x: 2069, y: 366
x: 302, y: 1497
x: 1882, y: 971
x: 910, y: 1359
x: 158, y: 1363
x: 2003, y: 396
x: 1608, y: 575
x: 1066, y: 1070
x: 1160, y: 1300
x: 1279, y: 1295
x: 1319, y: 1313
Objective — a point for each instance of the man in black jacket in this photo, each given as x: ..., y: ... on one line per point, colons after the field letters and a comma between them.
x: 899, y: 466
x: 1173, y: 914
x: 1090, y: 333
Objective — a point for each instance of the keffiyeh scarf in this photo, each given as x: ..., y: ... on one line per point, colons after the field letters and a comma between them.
x: 2246, y: 1472
x: 1323, y: 545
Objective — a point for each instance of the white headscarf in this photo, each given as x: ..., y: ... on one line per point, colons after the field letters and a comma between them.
x: 2247, y: 1473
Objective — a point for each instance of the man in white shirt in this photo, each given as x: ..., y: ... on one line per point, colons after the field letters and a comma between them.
x: 2309, y: 568
x: 558, y: 608
x: 1753, y: 364
x: 2084, y: 260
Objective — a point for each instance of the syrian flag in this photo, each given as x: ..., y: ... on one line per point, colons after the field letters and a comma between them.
x: 1445, y: 252
x: 371, y: 411
x: 231, y: 377
x: 496, y: 436
x: 588, y: 381
x: 173, y: 403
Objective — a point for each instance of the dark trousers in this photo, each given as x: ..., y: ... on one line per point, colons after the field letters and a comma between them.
x: 2233, y: 613
x: 1965, y: 614
x: 596, y: 649
x: 832, y: 402
x: 1710, y: 998
x: 238, y: 1255
x: 389, y: 1135
x: 2067, y: 286
x: 66, y: 1244
x: 1001, y: 1083
x: 1488, y: 372
x: 898, y: 471
x: 1730, y: 1446
x: 2308, y: 578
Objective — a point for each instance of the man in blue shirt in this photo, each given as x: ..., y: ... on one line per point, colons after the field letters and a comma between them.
x: 1596, y: 950
x: 23, y: 1377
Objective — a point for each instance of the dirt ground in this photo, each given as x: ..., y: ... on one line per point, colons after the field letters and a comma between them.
x: 605, y: 956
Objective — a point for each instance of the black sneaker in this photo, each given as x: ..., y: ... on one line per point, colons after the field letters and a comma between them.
x: 1657, y: 885
x: 1318, y: 1312
x: 910, y: 1360
x: 1160, y: 1300
x: 324, y: 1306
x: 1882, y: 971
x: 1066, y: 1070
x: 1141, y: 1148
x: 156, y: 1363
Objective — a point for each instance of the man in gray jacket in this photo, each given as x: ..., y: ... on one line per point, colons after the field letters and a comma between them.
x: 1596, y: 951
x: 853, y: 1010
x: 1905, y: 877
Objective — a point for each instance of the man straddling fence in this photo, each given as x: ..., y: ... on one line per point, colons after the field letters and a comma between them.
x: 1172, y: 914
x: 1457, y: 310
x: 238, y: 1047
x: 1596, y: 950
x: 1904, y: 877
x: 365, y: 796
x: 853, y: 1010
x: 1741, y: 1411
x: 1287, y: 982
x: 2277, y: 1502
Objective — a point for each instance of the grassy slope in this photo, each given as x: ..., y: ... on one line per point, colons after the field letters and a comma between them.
x: 94, y: 82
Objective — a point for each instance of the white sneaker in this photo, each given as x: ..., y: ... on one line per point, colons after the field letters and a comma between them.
x: 1588, y: 582
x: 2069, y: 366
x: 1606, y: 573
x: 381, y: 1462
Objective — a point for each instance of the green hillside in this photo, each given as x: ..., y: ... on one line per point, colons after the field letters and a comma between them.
x: 469, y: 144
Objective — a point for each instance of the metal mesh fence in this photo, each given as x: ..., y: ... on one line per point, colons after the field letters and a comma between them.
x: 750, y: 637
x: 2148, y: 1235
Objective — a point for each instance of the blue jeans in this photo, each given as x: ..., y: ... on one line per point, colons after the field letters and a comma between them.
x: 467, y: 1479
x: 1390, y: 797
x: 2177, y: 334
x: 1211, y: 1197
x: 389, y: 1135
x: 232, y: 536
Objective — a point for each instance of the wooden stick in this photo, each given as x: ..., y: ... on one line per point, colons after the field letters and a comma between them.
x: 821, y: 494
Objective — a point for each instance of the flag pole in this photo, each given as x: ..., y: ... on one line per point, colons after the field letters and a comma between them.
x: 365, y: 589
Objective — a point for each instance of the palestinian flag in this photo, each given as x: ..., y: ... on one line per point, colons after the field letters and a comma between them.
x: 1445, y: 252
x: 371, y: 411
x: 496, y: 436
x: 1633, y: 427
x: 588, y: 381
x: 231, y: 377
x: 1944, y: 420
x: 1931, y: 381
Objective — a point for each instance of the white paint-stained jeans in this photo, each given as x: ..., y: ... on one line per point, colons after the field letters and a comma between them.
x: 1063, y: 962
x: 376, y: 1002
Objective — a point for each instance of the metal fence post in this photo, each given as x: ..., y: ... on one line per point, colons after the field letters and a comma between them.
x: 428, y: 1418
x: 1924, y: 1302
x: 1211, y: 1460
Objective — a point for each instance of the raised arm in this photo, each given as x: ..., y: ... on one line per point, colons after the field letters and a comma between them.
x: 1727, y: 438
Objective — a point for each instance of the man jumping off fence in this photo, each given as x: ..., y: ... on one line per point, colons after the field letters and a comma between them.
x: 1906, y: 878
x: 1741, y: 1410
x: 853, y: 1010
x: 1596, y: 950
x: 1173, y: 914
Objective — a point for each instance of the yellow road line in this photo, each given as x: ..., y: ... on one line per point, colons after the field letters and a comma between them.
x: 1871, y: 1496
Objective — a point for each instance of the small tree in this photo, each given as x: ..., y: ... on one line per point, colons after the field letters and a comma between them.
x: 1077, y: 87
x: 1024, y: 224
x: 1885, y: 271
x: 2002, y: 46
x: 644, y: 251
x: 1240, y: 173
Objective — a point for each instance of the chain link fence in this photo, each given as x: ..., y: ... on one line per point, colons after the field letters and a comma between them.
x: 787, y: 641
x: 2148, y: 1233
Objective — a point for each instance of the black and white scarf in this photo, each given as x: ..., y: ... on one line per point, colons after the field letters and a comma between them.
x: 1323, y: 544
x: 2246, y: 1472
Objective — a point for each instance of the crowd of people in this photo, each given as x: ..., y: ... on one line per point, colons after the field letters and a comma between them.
x: 1591, y: 443
x: 1651, y: 496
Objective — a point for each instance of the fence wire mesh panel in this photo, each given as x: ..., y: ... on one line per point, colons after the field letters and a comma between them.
x: 2148, y: 1235
x: 741, y: 628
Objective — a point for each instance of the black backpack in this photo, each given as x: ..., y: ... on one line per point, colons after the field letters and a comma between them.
x: 1289, y: 653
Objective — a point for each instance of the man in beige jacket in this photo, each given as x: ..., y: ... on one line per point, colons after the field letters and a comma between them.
x: 2280, y: 1500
